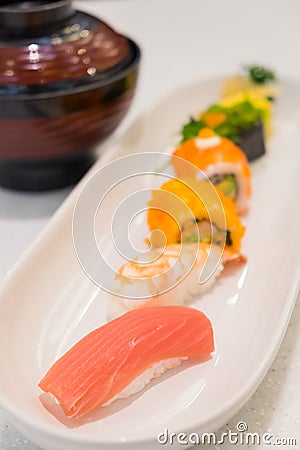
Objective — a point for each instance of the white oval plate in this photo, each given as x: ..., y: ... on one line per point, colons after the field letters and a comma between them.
x: 47, y: 302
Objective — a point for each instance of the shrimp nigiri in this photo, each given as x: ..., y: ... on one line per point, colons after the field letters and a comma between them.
x: 173, y: 276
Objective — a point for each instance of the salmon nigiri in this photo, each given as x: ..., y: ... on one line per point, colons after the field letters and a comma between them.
x: 137, y: 346
x: 221, y: 160
x: 173, y: 276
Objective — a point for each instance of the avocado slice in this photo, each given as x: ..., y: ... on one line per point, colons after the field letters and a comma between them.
x: 228, y: 185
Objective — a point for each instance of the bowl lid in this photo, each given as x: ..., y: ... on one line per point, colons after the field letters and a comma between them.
x: 74, y: 48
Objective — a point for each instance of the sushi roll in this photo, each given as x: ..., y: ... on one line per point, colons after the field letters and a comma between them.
x: 222, y: 161
x: 191, y: 210
x: 256, y: 79
x: 122, y: 356
x: 173, y: 278
x: 243, y: 118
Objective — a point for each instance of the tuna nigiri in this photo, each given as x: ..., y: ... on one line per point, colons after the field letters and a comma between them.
x: 138, y: 346
x: 222, y: 161
x: 173, y: 277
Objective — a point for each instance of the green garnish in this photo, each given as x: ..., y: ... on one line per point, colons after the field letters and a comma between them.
x: 238, y: 118
x: 260, y: 74
x: 191, y: 129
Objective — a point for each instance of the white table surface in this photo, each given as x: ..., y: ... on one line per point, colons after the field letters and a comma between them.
x: 182, y: 41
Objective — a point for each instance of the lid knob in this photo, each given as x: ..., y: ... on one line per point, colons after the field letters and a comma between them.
x: 17, y: 16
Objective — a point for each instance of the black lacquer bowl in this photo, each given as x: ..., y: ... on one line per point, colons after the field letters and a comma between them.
x: 66, y: 81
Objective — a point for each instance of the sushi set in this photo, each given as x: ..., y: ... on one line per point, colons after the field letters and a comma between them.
x: 88, y: 375
x: 104, y: 369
